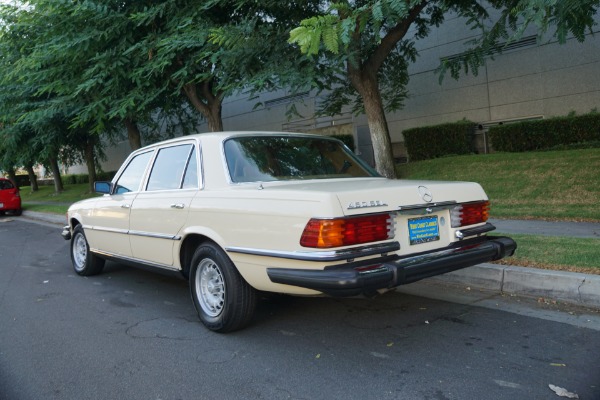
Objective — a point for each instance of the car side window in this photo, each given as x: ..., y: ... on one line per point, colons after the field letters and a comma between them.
x: 6, y: 185
x: 169, y: 166
x: 132, y: 176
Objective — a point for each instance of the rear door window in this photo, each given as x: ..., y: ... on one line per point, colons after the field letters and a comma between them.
x: 169, y: 168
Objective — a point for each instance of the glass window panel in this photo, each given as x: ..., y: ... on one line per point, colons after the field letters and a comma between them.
x: 272, y: 158
x: 132, y: 176
x: 168, y: 168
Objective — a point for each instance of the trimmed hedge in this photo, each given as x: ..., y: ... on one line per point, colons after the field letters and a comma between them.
x: 546, y: 134
x: 436, y: 141
x: 347, y: 139
x: 85, y: 178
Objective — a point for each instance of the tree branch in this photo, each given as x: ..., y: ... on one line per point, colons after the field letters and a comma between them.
x: 391, y: 39
x: 189, y: 90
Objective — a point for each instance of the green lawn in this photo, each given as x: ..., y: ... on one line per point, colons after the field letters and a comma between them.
x: 559, y: 185
x: 556, y: 252
x: 42, y: 199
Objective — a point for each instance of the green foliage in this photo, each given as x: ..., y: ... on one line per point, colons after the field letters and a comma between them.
x: 347, y: 139
x: 546, y: 134
x: 436, y: 141
x: 77, y: 179
x: 313, y: 31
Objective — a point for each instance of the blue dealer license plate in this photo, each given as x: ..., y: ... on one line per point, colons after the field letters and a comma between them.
x: 423, y: 230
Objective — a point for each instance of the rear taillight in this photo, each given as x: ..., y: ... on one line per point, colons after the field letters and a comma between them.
x: 470, y: 214
x: 338, y: 232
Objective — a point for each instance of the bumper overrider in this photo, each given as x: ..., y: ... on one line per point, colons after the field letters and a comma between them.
x: 66, y: 232
x: 366, y: 277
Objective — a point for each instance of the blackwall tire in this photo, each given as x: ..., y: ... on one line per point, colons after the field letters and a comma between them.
x: 225, y: 302
x: 85, y: 263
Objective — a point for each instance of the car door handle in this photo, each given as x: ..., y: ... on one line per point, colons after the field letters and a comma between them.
x: 125, y: 205
x: 178, y: 206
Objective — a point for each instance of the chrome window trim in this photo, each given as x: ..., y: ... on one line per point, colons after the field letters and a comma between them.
x: 281, y: 134
x: 329, y: 255
x: 158, y: 149
x: 144, y: 177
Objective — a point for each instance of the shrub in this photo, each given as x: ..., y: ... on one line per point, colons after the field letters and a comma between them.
x: 105, y: 176
x: 546, y: 134
x: 347, y: 139
x: 22, y: 180
x: 85, y: 178
x: 436, y: 141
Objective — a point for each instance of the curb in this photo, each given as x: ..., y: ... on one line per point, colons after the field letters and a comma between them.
x: 45, y: 217
x: 568, y: 287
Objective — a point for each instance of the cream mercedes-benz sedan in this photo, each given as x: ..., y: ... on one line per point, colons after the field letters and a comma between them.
x: 243, y: 212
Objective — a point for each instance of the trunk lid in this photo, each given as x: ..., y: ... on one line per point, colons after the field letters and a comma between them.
x: 373, y: 195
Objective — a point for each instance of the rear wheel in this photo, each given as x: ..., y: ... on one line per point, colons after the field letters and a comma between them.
x: 85, y: 263
x: 225, y: 302
x: 18, y: 212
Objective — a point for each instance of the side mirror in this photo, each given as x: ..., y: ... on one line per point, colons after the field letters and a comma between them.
x: 103, y: 187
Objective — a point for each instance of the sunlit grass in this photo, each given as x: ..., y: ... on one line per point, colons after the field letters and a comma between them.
x: 556, y: 252
x: 57, y: 203
x: 540, y: 185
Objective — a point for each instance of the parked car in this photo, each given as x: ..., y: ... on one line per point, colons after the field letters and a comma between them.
x: 242, y: 212
x: 10, y: 199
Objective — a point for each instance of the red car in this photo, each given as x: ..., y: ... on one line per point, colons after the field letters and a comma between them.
x: 10, y: 200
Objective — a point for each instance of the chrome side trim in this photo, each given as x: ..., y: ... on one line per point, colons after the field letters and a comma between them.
x: 331, y: 255
x: 132, y: 260
x: 428, y: 208
x: 134, y: 233
x: 102, y: 229
x: 154, y: 235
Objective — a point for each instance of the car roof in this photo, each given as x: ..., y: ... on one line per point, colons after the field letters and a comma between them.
x: 221, y: 136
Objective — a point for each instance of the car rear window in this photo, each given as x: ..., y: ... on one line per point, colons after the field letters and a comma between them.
x: 4, y: 184
x: 274, y: 158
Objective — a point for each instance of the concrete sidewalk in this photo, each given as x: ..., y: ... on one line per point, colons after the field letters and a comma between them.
x: 568, y: 287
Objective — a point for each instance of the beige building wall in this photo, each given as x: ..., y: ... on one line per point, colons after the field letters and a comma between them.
x: 540, y: 79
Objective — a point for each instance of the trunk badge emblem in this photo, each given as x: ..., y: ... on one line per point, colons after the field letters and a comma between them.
x: 425, y: 194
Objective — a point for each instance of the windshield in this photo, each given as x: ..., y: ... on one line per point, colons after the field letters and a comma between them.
x: 275, y: 158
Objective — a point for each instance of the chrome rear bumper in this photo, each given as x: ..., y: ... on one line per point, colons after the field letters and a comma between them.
x: 366, y: 277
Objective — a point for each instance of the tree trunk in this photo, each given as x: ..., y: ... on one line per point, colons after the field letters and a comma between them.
x: 133, y: 133
x: 12, y: 175
x: 368, y: 88
x: 208, y: 104
x: 214, y: 120
x: 58, y: 185
x: 90, y: 162
x: 32, y: 178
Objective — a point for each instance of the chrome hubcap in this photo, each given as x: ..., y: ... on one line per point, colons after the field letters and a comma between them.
x: 79, y: 252
x: 210, y: 287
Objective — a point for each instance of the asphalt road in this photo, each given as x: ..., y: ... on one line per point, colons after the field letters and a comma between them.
x: 133, y: 334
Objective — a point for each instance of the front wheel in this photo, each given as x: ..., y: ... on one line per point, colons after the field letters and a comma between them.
x: 85, y: 263
x: 225, y: 302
